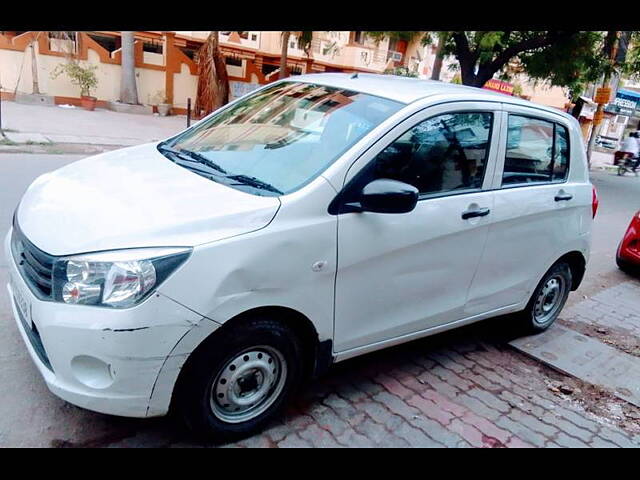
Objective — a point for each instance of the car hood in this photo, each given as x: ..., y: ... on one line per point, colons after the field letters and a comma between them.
x: 134, y: 197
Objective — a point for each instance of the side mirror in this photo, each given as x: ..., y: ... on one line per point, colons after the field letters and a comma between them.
x: 388, y: 196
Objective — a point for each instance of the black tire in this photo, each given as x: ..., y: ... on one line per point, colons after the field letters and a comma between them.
x: 561, y: 272
x: 627, y: 267
x: 194, y: 390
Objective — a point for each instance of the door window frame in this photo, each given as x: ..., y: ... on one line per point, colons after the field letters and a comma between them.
x: 496, y: 135
x: 501, y: 156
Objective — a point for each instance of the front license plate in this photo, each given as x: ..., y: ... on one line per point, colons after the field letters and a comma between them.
x: 22, y: 303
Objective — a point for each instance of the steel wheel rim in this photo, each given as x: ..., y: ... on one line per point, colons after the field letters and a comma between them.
x: 248, y: 384
x: 549, y: 300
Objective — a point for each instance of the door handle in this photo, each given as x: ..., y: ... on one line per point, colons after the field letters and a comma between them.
x: 563, y: 196
x: 478, y: 212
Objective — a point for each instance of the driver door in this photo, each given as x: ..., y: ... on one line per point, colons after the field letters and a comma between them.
x: 399, y: 274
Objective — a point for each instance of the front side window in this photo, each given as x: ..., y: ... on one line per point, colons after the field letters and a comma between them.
x: 442, y: 154
x: 537, y: 151
x: 280, y: 138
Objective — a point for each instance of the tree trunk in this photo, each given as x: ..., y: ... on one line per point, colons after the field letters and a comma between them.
x: 283, y: 55
x: 213, y: 80
x: 128, y: 89
x: 34, y: 68
x: 437, y: 63
x: 221, y: 78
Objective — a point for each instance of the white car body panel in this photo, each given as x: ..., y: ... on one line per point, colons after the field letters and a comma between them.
x: 144, y: 200
x: 266, y: 276
x: 365, y: 281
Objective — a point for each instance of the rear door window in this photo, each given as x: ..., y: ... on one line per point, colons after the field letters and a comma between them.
x: 537, y: 151
x: 561, y: 157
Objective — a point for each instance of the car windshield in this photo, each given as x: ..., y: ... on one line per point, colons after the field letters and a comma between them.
x: 280, y: 138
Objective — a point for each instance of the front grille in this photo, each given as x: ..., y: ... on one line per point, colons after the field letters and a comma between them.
x: 35, y: 266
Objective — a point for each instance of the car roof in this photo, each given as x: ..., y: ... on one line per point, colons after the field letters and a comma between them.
x: 408, y: 90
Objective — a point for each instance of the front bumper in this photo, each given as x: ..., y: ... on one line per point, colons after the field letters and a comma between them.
x: 629, y: 248
x: 102, y: 359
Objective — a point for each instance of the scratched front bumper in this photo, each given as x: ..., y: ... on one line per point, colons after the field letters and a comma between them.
x: 131, y: 344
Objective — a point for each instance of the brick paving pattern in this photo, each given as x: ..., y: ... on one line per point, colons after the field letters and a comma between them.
x: 613, y: 316
x: 469, y: 393
x: 464, y: 388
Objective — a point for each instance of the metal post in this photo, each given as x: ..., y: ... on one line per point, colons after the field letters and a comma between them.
x: 188, y: 112
x: 1, y: 132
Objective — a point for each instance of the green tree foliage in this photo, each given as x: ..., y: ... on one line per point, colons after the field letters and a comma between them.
x: 401, y: 71
x: 570, y: 59
x: 402, y: 35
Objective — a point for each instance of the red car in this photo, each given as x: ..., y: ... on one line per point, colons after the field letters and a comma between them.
x: 628, y: 256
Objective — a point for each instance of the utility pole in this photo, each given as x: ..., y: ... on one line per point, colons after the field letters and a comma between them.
x: 603, y: 94
x: 34, y: 67
x: 1, y: 132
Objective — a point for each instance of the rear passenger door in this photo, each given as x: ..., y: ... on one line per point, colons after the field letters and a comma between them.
x: 533, y: 212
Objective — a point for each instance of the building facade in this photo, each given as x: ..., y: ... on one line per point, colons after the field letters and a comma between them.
x: 166, y: 62
x: 167, y: 70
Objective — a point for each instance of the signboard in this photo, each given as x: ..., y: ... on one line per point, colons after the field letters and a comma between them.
x: 238, y: 89
x: 625, y: 103
x: 499, y: 86
x: 603, y: 94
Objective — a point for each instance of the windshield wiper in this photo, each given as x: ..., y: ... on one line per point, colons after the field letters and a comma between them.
x: 190, y: 156
x: 254, y: 182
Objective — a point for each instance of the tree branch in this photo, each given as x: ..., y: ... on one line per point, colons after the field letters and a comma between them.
x: 487, y: 70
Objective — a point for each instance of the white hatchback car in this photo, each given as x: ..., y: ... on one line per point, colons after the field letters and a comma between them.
x: 318, y: 218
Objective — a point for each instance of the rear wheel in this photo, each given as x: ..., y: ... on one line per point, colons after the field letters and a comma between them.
x: 548, y: 299
x: 240, y: 381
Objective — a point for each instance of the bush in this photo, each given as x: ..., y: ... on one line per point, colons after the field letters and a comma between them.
x: 401, y: 71
x: 84, y: 77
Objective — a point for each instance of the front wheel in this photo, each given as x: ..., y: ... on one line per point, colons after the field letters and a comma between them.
x: 548, y: 299
x: 621, y: 170
x: 240, y: 381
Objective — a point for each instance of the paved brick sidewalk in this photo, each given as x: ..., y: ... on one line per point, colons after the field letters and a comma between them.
x: 612, y: 316
x: 452, y: 392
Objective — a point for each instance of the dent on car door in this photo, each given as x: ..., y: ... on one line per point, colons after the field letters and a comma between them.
x: 533, y: 212
x: 402, y: 273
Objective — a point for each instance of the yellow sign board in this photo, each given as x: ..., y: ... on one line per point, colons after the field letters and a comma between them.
x: 603, y: 94
x: 597, y: 117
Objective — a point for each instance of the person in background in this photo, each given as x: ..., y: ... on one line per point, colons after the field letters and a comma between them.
x: 631, y: 148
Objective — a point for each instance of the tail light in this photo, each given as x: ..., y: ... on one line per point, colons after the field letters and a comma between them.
x: 594, y: 201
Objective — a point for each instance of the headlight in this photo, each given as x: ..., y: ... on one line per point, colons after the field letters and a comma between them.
x: 117, y: 279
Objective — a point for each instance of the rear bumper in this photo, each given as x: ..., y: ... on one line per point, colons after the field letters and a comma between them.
x: 102, y: 359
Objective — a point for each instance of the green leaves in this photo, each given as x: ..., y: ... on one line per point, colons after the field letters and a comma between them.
x: 84, y: 77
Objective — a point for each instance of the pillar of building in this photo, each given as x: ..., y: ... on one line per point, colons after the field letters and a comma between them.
x: 169, y: 61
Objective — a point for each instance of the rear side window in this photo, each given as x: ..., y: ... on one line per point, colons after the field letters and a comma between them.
x: 561, y: 157
x: 537, y: 151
